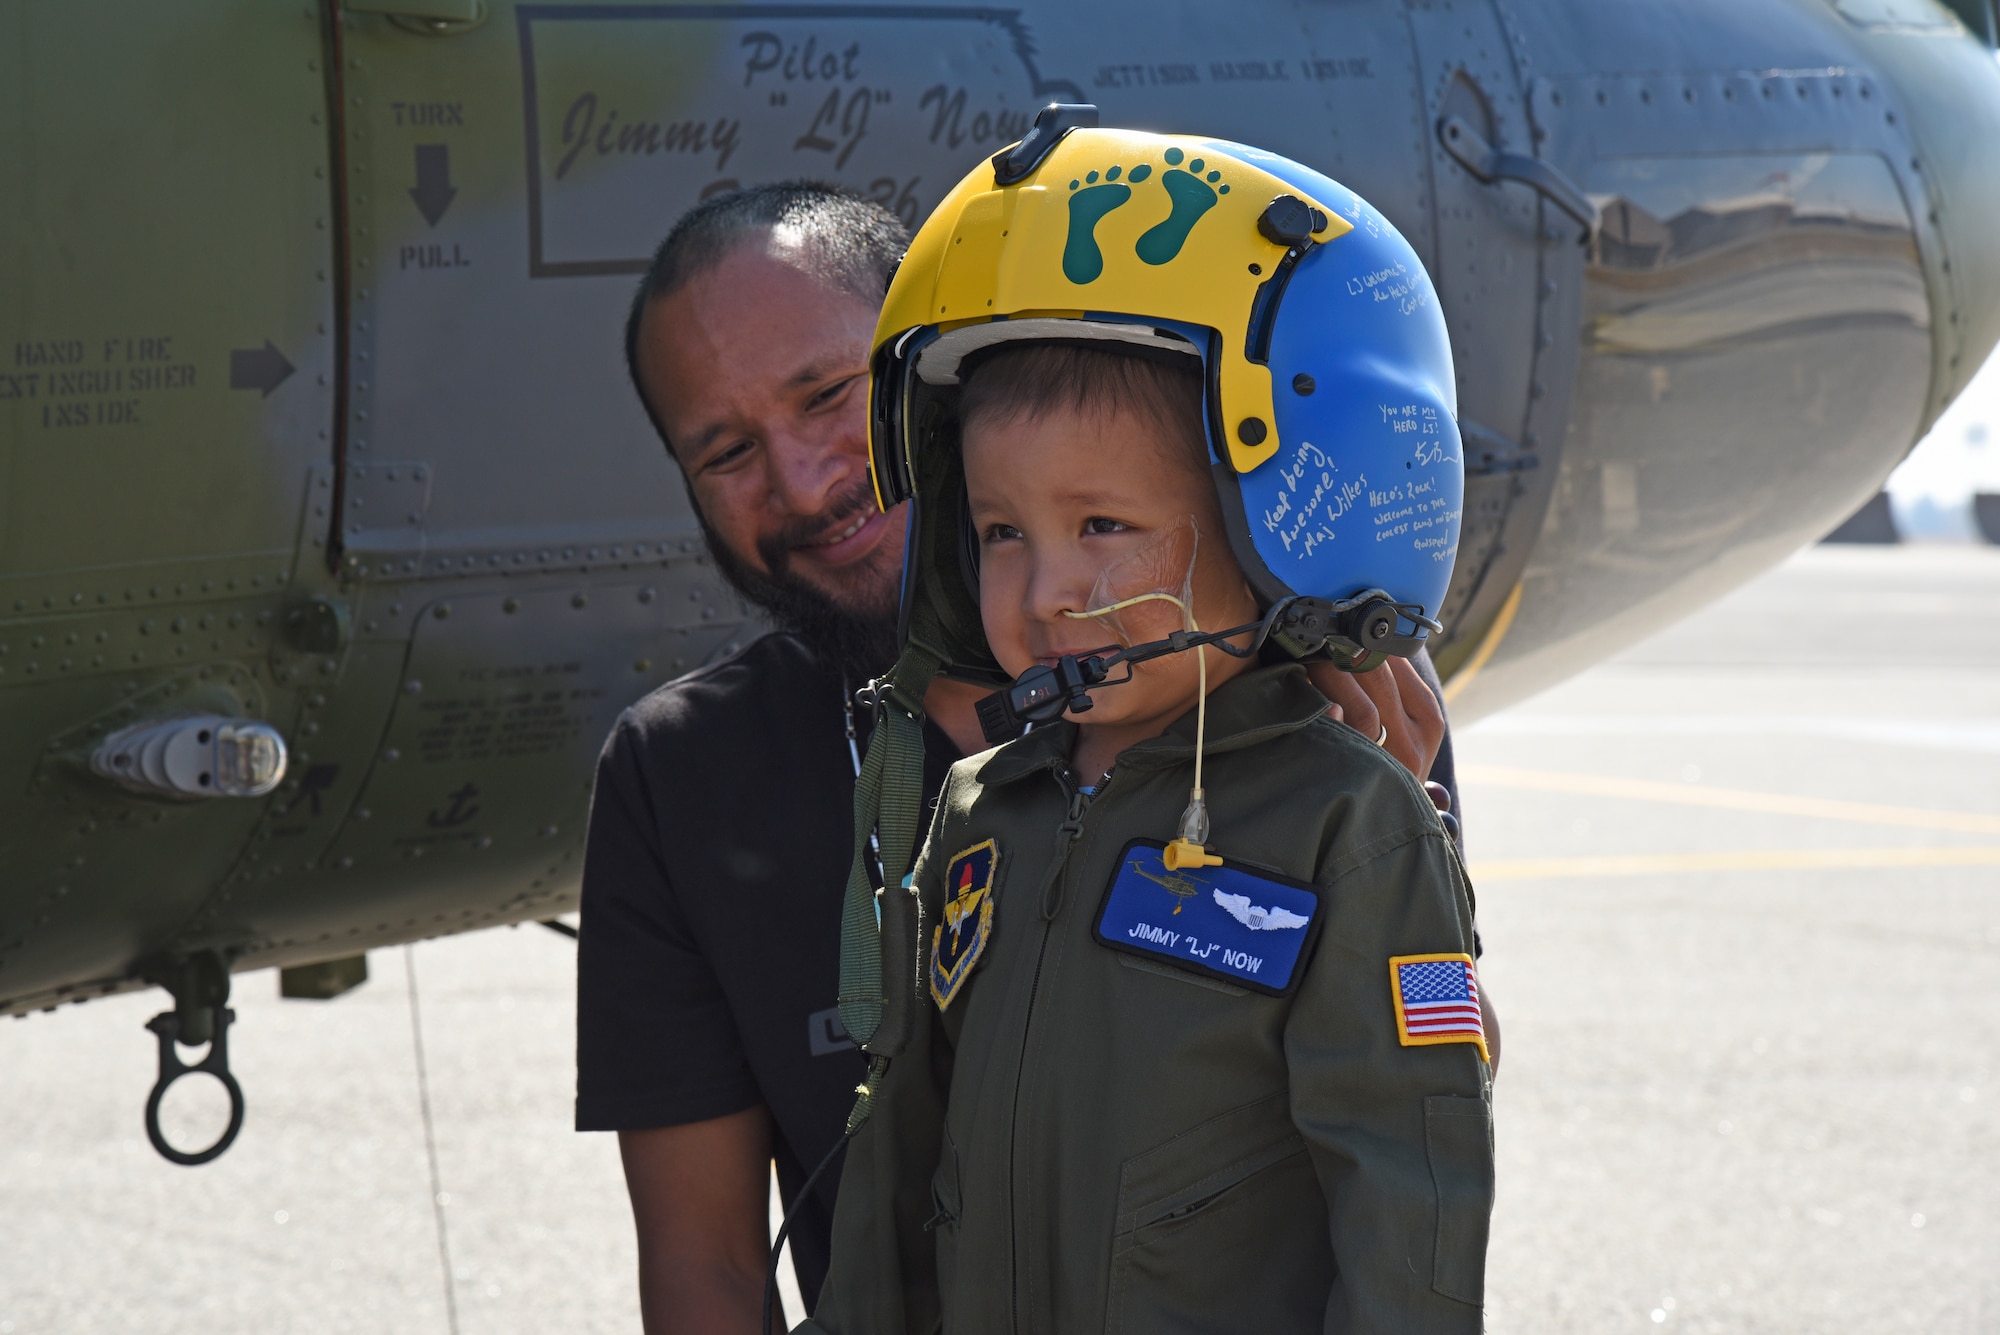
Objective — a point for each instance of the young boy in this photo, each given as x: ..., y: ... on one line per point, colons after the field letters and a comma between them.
x: 1234, y: 1086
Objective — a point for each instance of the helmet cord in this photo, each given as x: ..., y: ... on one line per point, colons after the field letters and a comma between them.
x: 1186, y: 849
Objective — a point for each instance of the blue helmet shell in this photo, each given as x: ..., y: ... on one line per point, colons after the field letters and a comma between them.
x: 1367, y: 488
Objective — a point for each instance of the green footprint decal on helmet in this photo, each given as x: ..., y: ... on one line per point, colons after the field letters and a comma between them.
x: 1091, y: 201
x: 1192, y: 197
x: 1083, y: 262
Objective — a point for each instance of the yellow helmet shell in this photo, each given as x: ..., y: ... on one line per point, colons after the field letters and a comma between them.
x: 1110, y: 222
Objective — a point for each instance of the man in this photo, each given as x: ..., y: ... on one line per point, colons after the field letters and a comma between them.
x: 721, y: 828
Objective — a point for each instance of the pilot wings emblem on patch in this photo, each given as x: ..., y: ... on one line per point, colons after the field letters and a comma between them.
x: 959, y: 940
x: 1256, y: 917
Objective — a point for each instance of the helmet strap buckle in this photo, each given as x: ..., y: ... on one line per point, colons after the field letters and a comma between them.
x: 1358, y: 630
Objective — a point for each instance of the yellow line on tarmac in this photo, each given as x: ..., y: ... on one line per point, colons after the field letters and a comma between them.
x: 1730, y: 799
x: 1494, y: 634
x: 1764, y: 859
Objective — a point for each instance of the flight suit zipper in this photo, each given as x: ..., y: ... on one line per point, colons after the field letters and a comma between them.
x: 1050, y: 904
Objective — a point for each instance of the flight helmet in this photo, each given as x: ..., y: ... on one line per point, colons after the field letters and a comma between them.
x: 1329, y: 398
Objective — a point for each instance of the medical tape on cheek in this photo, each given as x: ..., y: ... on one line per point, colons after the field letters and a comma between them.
x: 1149, y: 592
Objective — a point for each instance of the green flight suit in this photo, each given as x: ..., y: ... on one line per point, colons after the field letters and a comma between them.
x: 1090, y: 1140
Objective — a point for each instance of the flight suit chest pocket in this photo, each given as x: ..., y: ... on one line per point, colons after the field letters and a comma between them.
x: 1458, y: 1136
x: 1235, y: 1196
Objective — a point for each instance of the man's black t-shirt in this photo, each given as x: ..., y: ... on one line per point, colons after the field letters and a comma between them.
x: 709, y: 957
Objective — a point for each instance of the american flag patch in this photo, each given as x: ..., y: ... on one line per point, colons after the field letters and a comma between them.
x: 1437, y: 1000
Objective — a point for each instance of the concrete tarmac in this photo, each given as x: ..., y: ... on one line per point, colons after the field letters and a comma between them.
x: 1740, y: 889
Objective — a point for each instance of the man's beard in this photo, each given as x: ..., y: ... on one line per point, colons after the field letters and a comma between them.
x: 861, y: 643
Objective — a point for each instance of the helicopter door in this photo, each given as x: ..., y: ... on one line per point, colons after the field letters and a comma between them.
x: 507, y: 180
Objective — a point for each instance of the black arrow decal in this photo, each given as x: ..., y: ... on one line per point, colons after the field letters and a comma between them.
x: 433, y: 193
x: 262, y: 368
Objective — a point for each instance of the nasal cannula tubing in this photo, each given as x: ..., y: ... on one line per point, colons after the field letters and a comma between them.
x: 1187, y: 850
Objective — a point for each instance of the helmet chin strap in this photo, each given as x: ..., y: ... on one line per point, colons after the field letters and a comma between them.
x: 1186, y: 850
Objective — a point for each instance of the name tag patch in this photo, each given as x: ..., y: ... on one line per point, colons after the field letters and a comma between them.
x: 1251, y: 928
x: 959, y: 941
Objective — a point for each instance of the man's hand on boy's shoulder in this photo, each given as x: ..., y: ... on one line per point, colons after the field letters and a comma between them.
x: 1392, y: 696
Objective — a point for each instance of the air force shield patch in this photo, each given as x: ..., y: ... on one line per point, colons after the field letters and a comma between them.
x: 958, y: 941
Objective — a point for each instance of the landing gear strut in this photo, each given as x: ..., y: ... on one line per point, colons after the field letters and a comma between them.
x: 199, y: 984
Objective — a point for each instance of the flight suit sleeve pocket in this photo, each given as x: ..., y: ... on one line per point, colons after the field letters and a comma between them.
x: 1458, y: 1136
